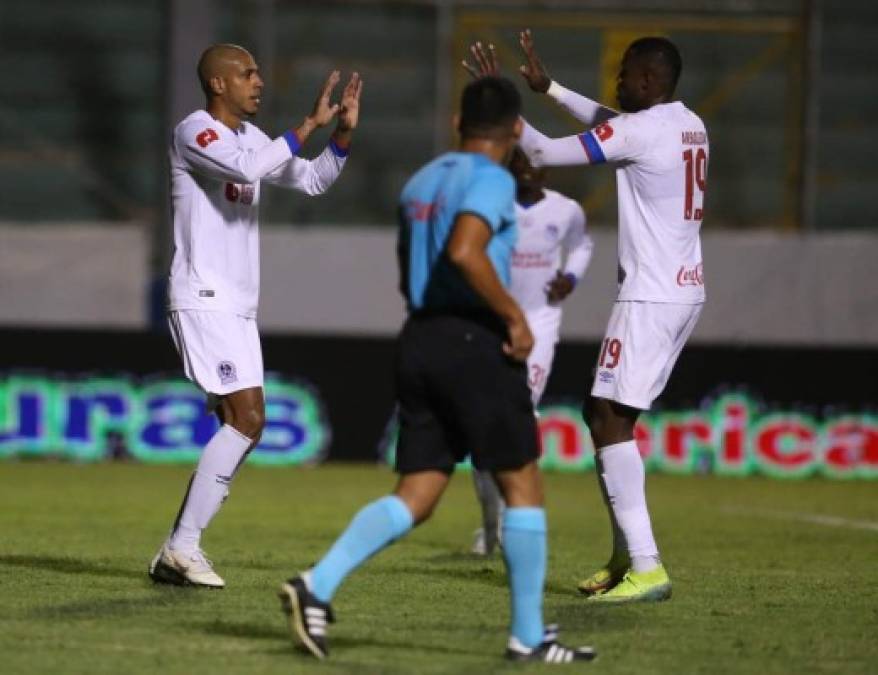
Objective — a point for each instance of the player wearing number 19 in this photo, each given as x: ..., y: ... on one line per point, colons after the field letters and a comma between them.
x: 660, y: 151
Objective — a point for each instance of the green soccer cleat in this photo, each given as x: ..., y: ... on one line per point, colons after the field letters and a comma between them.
x: 604, y: 579
x: 652, y: 586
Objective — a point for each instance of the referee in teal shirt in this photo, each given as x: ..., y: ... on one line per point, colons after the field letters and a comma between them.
x: 460, y: 375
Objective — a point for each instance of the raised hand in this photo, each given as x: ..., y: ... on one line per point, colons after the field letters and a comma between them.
x: 349, y: 113
x: 486, y: 61
x: 533, y: 70
x: 324, y: 111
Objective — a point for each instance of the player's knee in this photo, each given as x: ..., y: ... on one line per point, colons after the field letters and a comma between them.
x: 586, y: 412
x: 419, y: 499
x: 420, y: 507
x: 422, y: 513
x: 597, y: 421
x: 522, y: 487
x: 250, y: 423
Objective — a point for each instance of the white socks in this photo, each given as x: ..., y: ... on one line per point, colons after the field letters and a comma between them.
x: 209, y: 486
x: 624, y: 480
x: 620, y: 555
x: 490, y: 499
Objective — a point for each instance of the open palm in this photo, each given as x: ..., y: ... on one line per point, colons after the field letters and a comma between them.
x: 349, y: 112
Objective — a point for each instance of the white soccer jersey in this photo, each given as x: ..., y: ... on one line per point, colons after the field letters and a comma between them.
x: 551, y: 232
x: 215, y: 186
x: 662, y: 155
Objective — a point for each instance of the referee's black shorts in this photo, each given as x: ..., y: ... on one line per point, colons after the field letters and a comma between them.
x: 460, y: 395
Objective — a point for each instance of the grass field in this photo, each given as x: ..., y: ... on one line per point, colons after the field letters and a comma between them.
x: 769, y: 577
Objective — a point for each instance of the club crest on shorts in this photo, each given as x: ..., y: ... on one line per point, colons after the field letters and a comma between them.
x: 227, y: 373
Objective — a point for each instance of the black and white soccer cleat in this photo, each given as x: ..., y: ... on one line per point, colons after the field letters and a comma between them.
x: 307, y: 615
x: 549, y: 650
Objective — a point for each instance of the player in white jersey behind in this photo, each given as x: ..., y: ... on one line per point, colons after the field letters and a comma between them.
x: 218, y: 161
x: 660, y: 150
x: 550, y: 257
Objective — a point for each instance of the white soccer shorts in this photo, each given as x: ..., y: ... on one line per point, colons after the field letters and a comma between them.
x: 640, y: 348
x: 221, y: 352
x: 545, y: 325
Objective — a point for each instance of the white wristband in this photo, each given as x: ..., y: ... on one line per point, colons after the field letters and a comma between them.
x: 556, y: 91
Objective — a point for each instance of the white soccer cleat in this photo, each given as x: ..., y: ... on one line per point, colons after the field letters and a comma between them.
x: 479, y: 546
x: 183, y: 568
x: 483, y: 544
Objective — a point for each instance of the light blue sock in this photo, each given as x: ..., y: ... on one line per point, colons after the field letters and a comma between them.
x: 374, y: 527
x: 524, y: 549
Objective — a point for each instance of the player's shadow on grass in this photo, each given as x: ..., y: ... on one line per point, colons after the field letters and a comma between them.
x: 280, y: 635
x: 67, y: 565
x: 396, y: 646
x: 102, y: 608
x: 246, y: 629
x: 471, y: 568
x: 587, y: 619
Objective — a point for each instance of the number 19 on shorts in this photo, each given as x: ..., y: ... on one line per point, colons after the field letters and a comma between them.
x: 610, y: 353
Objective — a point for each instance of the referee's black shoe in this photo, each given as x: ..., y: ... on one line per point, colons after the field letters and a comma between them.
x: 307, y: 615
x: 549, y: 650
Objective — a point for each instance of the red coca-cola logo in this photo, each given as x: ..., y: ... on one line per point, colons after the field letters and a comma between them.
x: 691, y: 276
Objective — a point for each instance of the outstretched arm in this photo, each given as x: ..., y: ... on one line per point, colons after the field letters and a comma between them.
x: 582, y: 108
x: 623, y: 139
x: 591, y: 113
x: 205, y: 147
x: 316, y: 176
x: 311, y: 176
x: 544, y: 151
x: 540, y: 149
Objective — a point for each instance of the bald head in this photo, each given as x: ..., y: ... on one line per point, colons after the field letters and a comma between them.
x: 231, y: 82
x: 218, y: 61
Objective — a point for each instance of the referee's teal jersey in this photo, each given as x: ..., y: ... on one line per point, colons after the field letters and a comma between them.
x: 452, y: 184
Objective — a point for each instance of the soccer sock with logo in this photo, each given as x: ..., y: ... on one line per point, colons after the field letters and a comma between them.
x: 524, y: 550
x: 620, y: 546
x: 625, y: 482
x: 209, y: 486
x: 375, y: 526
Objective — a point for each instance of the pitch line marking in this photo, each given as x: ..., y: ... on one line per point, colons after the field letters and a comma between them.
x: 812, y: 518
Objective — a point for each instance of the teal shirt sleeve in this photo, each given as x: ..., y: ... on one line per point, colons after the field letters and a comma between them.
x: 490, y: 195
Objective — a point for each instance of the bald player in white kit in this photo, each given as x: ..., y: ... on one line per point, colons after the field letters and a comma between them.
x: 660, y: 150
x: 218, y: 162
x: 550, y: 258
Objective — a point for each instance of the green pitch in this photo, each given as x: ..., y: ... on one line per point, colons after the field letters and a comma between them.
x: 769, y: 577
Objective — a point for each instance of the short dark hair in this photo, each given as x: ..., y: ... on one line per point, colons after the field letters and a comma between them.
x: 488, y: 106
x: 663, y: 53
